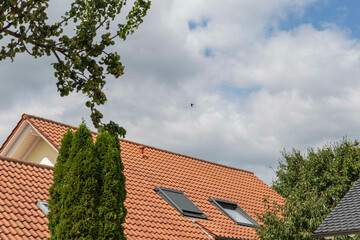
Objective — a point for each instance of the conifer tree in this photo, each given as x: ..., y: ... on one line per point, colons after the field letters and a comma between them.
x: 55, y: 191
x: 88, y: 193
x: 79, y: 217
x: 111, y: 207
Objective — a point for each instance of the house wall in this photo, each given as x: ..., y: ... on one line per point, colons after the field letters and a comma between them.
x: 40, y: 151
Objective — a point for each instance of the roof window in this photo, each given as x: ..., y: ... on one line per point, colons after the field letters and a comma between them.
x: 234, y: 212
x: 43, y: 206
x: 180, y: 202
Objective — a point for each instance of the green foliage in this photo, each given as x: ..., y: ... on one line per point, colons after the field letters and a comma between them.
x: 312, y: 186
x: 88, y: 193
x: 80, y: 190
x: 111, y: 207
x: 80, y: 42
x: 60, y: 171
x: 114, y: 129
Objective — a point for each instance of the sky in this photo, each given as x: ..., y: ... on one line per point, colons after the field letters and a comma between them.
x: 263, y: 76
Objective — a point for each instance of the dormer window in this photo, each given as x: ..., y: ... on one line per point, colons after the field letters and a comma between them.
x: 234, y: 212
x: 180, y: 202
x: 43, y: 206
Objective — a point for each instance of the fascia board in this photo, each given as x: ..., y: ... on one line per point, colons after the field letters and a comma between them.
x: 10, y: 147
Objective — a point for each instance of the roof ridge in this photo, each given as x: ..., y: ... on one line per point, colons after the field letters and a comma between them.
x: 183, y: 155
x: 26, y: 163
x: 27, y: 116
x: 140, y: 144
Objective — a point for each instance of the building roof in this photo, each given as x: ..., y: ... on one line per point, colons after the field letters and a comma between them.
x: 149, y: 215
x: 22, y: 184
x: 344, y: 219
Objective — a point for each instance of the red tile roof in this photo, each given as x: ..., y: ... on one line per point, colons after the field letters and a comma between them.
x: 21, y: 186
x: 149, y: 215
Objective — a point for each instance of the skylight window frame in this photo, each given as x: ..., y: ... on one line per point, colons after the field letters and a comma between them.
x: 217, y: 203
x: 43, y: 207
x: 162, y: 192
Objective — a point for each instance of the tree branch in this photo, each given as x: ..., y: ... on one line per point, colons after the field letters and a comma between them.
x: 56, y: 55
x: 4, y: 28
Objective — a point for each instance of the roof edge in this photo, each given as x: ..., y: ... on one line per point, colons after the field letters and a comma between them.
x: 48, y: 120
x: 27, y: 116
x: 23, y: 117
x: 336, y: 233
x: 26, y: 163
x: 183, y: 155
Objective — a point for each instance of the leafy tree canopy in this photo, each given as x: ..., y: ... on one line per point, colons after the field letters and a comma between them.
x: 81, y: 50
x: 312, y: 185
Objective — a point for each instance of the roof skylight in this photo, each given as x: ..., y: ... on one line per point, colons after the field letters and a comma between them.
x: 180, y: 202
x: 43, y: 206
x: 234, y: 212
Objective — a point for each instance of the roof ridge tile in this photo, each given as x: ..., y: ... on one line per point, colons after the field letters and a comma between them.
x: 28, y: 116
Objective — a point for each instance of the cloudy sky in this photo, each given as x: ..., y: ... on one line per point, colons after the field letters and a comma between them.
x: 263, y: 76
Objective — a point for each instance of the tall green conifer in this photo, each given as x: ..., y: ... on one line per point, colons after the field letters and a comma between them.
x: 79, y: 219
x: 111, y: 207
x: 88, y: 193
x: 56, y: 189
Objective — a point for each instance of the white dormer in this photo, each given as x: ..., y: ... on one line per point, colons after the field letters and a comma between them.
x: 27, y: 144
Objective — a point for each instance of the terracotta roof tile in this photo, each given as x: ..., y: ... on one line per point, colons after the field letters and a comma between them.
x: 19, y: 214
x: 149, y: 215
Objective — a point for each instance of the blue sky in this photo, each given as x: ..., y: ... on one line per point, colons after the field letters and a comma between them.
x: 343, y: 13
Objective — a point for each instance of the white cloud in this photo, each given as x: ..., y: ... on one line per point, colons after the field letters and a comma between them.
x: 263, y: 90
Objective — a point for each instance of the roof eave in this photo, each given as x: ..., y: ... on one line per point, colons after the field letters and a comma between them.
x: 10, y: 143
x: 12, y: 133
x: 336, y: 233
